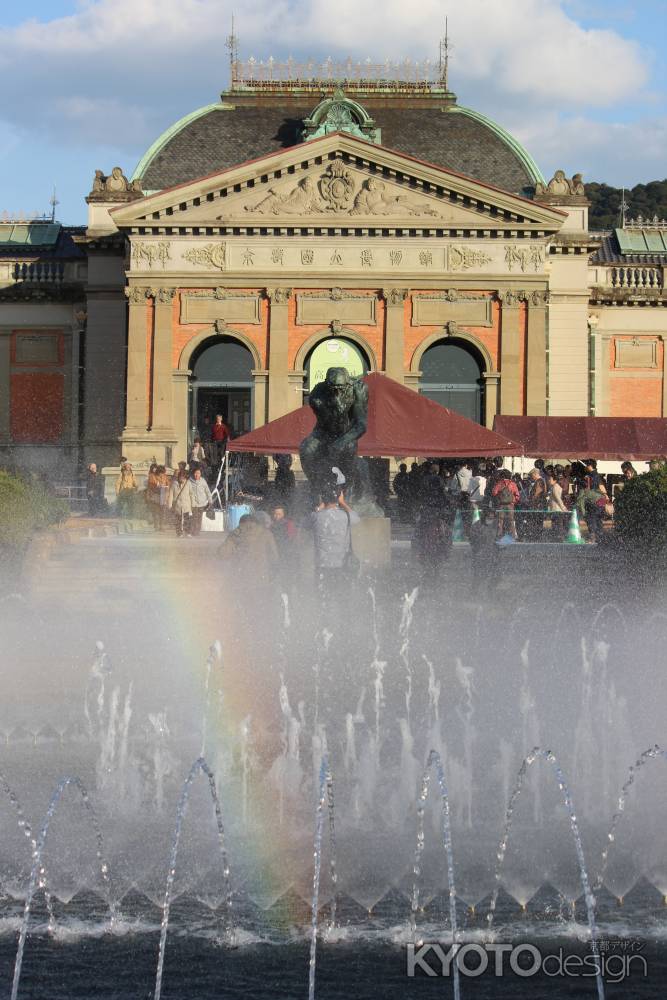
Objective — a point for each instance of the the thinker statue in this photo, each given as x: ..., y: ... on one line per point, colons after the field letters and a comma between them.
x: 340, y: 405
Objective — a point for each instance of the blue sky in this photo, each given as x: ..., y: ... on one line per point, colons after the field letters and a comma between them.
x: 91, y: 83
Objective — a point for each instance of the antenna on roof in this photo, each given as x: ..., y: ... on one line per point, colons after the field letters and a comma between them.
x: 445, y: 49
x: 624, y: 209
x: 53, y: 201
x: 232, y: 46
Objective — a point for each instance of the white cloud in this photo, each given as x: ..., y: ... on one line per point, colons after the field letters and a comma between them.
x: 117, y: 72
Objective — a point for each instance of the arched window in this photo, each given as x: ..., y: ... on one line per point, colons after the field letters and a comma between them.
x: 224, y: 360
x: 452, y: 376
x: 335, y: 352
x: 222, y: 383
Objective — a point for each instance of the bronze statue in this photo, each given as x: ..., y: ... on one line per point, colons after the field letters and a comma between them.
x: 340, y: 405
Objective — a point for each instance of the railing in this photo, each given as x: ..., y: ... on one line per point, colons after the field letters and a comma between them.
x: 50, y: 271
x: 253, y: 73
x: 74, y: 494
x: 636, y: 276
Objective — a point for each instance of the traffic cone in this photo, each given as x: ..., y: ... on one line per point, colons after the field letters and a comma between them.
x: 574, y: 531
x: 476, y: 515
x: 458, y: 534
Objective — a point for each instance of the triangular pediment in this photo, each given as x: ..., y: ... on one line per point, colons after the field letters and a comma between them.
x: 337, y: 179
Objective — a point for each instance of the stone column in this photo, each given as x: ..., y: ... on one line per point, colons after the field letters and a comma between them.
x: 279, y: 402
x: 162, y: 395
x: 510, y: 342
x: 492, y: 380
x: 536, y: 356
x: 394, y: 335
x: 136, y: 412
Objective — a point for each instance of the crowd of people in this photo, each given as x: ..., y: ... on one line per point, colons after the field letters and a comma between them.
x: 491, y: 502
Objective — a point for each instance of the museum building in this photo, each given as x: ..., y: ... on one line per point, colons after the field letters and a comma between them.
x: 320, y: 216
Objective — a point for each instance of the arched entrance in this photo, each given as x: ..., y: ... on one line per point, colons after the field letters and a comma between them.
x: 452, y: 376
x: 334, y: 352
x: 221, y: 382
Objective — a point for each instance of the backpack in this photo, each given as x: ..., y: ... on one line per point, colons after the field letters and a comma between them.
x: 505, y: 496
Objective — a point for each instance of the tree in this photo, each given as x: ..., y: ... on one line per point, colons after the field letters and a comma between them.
x: 646, y: 200
x: 640, y: 513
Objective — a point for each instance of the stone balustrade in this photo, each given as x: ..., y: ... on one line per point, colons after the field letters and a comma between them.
x: 51, y: 271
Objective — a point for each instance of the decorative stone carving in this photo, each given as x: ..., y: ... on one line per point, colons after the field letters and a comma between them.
x: 279, y: 296
x: 220, y: 326
x: 137, y: 293
x: 150, y: 253
x: 451, y: 328
x: 516, y: 257
x: 395, y: 296
x: 299, y: 201
x: 114, y: 187
x: 336, y: 327
x: 335, y: 191
x: 512, y: 296
x: 211, y: 255
x: 539, y: 298
x: 337, y: 187
x: 452, y: 295
x: 462, y: 258
x: 561, y: 187
x: 339, y: 114
x: 164, y: 295
x: 373, y: 199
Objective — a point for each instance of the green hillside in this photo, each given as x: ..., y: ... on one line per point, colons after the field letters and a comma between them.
x: 643, y: 199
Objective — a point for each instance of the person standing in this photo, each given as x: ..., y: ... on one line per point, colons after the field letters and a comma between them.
x: 219, y: 438
x: 94, y: 486
x: 197, y: 453
x: 505, y: 495
x: 556, y: 506
x: 200, y: 498
x: 332, y: 530
x: 180, y: 504
x: 126, y: 489
x: 401, y: 487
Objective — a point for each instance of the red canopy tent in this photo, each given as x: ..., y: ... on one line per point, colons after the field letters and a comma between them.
x: 400, y: 422
x: 614, y: 438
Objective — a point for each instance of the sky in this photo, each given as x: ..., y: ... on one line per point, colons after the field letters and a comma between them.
x: 90, y: 84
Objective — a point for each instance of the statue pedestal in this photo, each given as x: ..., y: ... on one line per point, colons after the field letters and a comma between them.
x: 371, y: 543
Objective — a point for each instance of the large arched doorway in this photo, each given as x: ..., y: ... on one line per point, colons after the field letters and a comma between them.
x: 334, y: 352
x: 452, y: 376
x: 221, y: 382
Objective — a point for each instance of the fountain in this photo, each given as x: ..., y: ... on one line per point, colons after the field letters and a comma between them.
x: 402, y: 691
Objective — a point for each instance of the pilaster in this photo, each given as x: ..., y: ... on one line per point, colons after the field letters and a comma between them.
x: 260, y: 380
x: 394, y: 337
x: 162, y: 395
x: 136, y: 413
x: 278, y: 377
x: 510, y: 343
x: 536, y: 356
x: 180, y: 385
x: 491, y: 391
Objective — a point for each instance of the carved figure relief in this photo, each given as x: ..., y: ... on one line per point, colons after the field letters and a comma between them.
x: 150, y: 253
x: 395, y: 296
x: 299, y: 201
x: 462, y: 258
x: 212, y: 255
x: 373, y: 199
x: 279, y: 296
x: 336, y: 191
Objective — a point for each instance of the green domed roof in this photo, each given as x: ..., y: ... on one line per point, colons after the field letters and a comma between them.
x: 226, y: 134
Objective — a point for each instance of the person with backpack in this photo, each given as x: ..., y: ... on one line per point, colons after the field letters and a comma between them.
x: 505, y: 496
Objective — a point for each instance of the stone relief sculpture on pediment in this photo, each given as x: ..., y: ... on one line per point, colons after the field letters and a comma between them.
x: 341, y: 191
